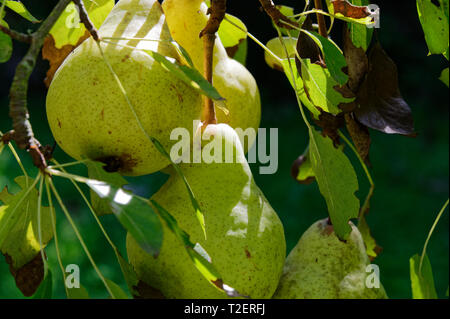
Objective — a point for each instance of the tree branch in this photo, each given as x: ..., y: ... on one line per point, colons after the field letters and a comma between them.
x: 217, y: 13
x: 321, y: 19
x: 84, y: 17
x: 22, y: 37
x: 18, y: 111
x: 277, y: 17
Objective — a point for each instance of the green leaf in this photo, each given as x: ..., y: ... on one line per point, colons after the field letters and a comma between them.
x: 337, y: 181
x: 435, y: 25
x: 69, y: 30
x: 19, y: 223
x: 96, y: 171
x: 298, y: 81
x: 196, y: 252
x: 241, y: 53
x: 138, y: 218
x: 288, y: 12
x: 116, y: 291
x: 2, y: 146
x: 361, y: 35
x: 20, y: 9
x: 230, y: 35
x: 6, y: 47
x: 194, y: 202
x: 445, y: 76
x: 45, y: 290
x: 77, y: 293
x: 321, y: 87
x: 189, y: 75
x: 129, y: 275
x: 372, y: 248
x: 334, y: 58
x: 422, y: 282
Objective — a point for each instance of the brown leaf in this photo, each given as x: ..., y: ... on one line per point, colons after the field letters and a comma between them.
x: 381, y: 105
x: 307, y: 48
x: 349, y: 10
x: 330, y: 125
x: 57, y: 56
x: 357, y: 62
x: 28, y: 277
x: 360, y: 136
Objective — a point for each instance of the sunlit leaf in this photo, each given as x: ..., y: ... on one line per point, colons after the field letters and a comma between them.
x: 435, y: 24
x: 20, y: 9
x: 5, y: 44
x: 360, y: 35
x: 96, y: 171
x: 19, y: 223
x: 321, y: 88
x: 333, y: 56
x: 69, y: 30
x: 372, y: 249
x: 138, y: 218
x: 422, y: 281
x: 45, y: 290
x: 297, y: 82
x: 302, y: 170
x: 230, y: 35
x: 189, y: 75
x: 337, y: 181
x: 196, y: 252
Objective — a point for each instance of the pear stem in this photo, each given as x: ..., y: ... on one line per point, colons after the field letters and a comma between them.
x: 217, y: 13
x: 321, y: 19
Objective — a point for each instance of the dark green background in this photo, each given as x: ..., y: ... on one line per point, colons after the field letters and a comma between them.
x: 411, y: 174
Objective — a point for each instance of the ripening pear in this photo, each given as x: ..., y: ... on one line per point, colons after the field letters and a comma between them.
x: 89, y: 114
x: 244, y: 236
x: 323, y: 267
x: 186, y: 19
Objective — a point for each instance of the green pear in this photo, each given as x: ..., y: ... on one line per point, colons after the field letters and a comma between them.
x: 89, y: 114
x: 244, y: 236
x: 186, y: 19
x: 323, y: 267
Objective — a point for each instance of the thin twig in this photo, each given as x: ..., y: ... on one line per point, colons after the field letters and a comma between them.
x: 217, y: 13
x: 321, y: 19
x: 22, y: 37
x: 276, y: 16
x: 84, y: 17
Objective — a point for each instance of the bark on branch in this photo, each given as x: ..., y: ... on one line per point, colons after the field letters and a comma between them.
x: 277, y: 17
x: 22, y: 132
x: 22, y: 37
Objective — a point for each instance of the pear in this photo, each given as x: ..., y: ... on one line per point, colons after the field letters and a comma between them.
x: 244, y: 236
x: 186, y: 19
x: 323, y: 267
x: 87, y: 111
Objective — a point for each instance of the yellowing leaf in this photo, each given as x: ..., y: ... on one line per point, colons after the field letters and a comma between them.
x: 69, y: 30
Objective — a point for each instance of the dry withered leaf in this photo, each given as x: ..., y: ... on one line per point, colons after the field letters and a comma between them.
x: 57, y: 56
x: 381, y: 105
x: 330, y: 125
x: 349, y: 10
x: 357, y: 62
x: 29, y: 276
x: 360, y: 136
x: 307, y: 48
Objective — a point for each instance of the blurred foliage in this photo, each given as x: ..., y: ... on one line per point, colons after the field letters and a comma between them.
x: 411, y: 175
